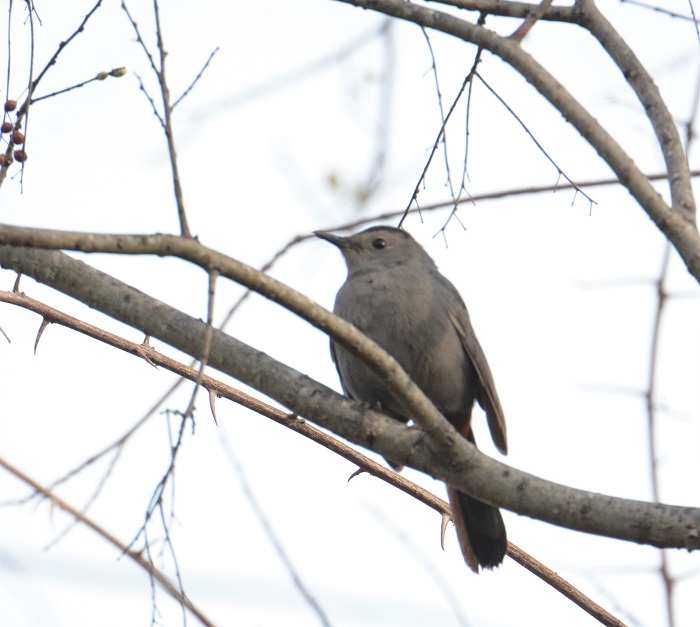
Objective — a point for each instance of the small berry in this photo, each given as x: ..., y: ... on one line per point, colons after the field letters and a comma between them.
x: 10, y: 105
x: 6, y: 127
x: 20, y: 156
x: 18, y: 137
x: 118, y: 72
x: 101, y: 76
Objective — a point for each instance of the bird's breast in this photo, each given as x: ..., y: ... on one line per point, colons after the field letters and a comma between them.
x: 412, y: 324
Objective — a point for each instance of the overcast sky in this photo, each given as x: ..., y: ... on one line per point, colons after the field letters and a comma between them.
x: 280, y: 137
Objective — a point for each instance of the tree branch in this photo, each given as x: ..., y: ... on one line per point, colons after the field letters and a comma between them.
x: 148, y: 566
x: 675, y: 225
x: 302, y: 427
x: 423, y: 411
x: 590, y: 18
x: 460, y: 464
x: 520, y: 10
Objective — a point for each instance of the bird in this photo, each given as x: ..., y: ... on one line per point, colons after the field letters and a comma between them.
x: 395, y: 294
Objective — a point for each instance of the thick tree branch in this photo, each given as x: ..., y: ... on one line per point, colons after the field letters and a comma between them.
x: 510, y: 8
x: 590, y: 18
x: 462, y: 465
x: 422, y: 410
x: 302, y: 427
x: 678, y: 229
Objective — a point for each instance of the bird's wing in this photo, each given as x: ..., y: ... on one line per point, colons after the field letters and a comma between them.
x: 487, y: 396
x: 334, y: 357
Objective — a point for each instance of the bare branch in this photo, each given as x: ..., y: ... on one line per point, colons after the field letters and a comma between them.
x: 439, y: 139
x: 534, y: 139
x: 674, y: 224
x: 211, y: 292
x: 521, y: 10
x: 648, y: 93
x: 651, y: 406
x: 569, y: 591
x: 267, y: 526
x: 156, y: 574
x: 443, y: 454
x: 117, y: 72
x: 663, y: 11
x: 65, y: 42
x: 166, y: 116
x: 424, y: 412
x: 364, y: 463
x: 196, y: 79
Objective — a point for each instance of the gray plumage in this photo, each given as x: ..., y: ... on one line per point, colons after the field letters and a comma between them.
x: 395, y: 294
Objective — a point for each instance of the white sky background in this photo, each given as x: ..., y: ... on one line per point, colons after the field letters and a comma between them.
x: 536, y: 272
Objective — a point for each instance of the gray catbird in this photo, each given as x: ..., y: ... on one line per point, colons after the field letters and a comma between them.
x: 396, y: 296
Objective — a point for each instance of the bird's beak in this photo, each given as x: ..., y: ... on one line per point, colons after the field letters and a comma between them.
x: 341, y: 242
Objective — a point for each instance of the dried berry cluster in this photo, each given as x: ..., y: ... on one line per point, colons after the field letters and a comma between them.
x: 16, y: 138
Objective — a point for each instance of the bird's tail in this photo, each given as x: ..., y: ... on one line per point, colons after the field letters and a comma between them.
x: 480, y: 530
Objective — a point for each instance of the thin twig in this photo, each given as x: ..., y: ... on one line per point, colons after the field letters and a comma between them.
x: 271, y: 534
x: 433, y: 67
x: 534, y: 139
x: 139, y: 39
x: 661, y: 298
x: 196, y: 79
x: 148, y: 96
x: 165, y: 116
x: 116, y: 72
x: 157, y: 505
x: 667, y: 12
x: 211, y: 292
x: 695, y: 21
x: 463, y: 183
x: 563, y: 586
x: 436, y: 143
x: 497, y: 195
x: 52, y: 61
x: 23, y: 110
x: 156, y: 574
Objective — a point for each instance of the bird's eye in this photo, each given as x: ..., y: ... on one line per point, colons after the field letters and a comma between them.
x: 379, y: 243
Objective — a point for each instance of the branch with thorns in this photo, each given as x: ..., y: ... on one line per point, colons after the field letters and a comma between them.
x: 290, y: 421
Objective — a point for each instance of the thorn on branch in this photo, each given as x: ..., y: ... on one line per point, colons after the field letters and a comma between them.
x: 45, y: 322
x: 358, y: 472
x: 212, y: 406
x: 446, y: 519
x: 143, y: 351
